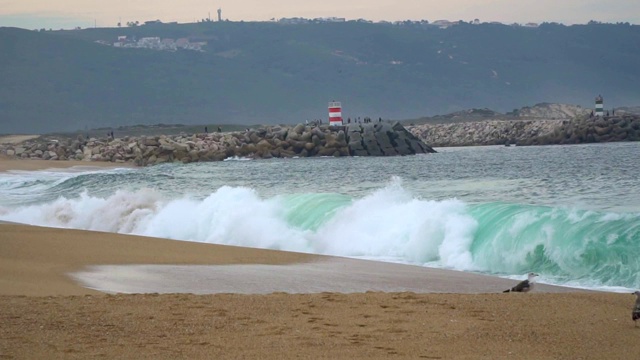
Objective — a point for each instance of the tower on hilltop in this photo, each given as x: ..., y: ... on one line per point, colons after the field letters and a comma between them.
x: 219, y: 14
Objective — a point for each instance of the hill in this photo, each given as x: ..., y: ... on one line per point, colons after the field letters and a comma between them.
x: 273, y: 73
x: 545, y: 111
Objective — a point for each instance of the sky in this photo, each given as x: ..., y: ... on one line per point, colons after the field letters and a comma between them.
x: 68, y: 14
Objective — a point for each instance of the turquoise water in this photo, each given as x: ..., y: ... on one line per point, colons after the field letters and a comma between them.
x: 570, y: 213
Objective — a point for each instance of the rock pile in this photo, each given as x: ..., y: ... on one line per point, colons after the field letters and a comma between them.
x: 582, y: 129
x: 373, y: 139
x: 488, y: 132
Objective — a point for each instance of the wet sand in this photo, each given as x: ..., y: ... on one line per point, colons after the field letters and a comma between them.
x: 12, y: 164
x: 206, y: 301
x: 16, y: 139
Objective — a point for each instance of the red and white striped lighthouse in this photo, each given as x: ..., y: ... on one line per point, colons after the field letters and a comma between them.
x: 335, y: 113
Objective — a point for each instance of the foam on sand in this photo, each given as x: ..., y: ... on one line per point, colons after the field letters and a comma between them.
x: 340, y: 275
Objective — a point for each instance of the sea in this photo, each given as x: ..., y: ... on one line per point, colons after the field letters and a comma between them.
x: 570, y: 212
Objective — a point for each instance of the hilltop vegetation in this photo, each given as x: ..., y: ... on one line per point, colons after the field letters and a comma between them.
x: 270, y: 73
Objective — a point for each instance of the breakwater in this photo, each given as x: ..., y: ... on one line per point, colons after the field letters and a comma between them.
x: 372, y: 139
x: 579, y: 130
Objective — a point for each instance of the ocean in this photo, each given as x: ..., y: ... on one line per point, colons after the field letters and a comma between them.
x: 569, y: 213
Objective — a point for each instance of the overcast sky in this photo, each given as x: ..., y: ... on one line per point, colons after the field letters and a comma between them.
x: 56, y: 14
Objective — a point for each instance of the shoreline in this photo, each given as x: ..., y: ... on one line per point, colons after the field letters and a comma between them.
x: 96, y: 270
x: 8, y: 164
x: 98, y: 275
x: 88, y: 262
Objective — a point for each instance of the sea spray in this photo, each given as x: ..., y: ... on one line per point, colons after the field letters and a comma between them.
x: 232, y: 216
x: 390, y: 223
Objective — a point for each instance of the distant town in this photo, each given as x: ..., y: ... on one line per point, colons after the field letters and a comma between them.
x: 443, y: 24
x: 155, y: 43
x: 299, y: 20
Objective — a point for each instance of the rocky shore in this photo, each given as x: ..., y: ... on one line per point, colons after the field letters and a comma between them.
x: 578, y: 130
x: 373, y: 139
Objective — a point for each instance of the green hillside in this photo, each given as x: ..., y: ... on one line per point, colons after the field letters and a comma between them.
x: 263, y: 72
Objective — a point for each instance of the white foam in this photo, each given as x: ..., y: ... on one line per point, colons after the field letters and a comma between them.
x: 387, y: 223
x: 329, y: 275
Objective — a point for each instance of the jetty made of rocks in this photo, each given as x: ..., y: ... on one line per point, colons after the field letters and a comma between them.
x: 370, y: 139
x: 578, y: 130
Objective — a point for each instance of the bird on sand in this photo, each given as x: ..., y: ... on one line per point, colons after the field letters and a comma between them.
x: 635, y: 313
x: 524, y: 285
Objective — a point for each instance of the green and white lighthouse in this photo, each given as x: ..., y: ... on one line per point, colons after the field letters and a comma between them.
x: 599, y: 106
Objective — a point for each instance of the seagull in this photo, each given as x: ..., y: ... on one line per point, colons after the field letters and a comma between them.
x: 635, y: 314
x: 527, y: 285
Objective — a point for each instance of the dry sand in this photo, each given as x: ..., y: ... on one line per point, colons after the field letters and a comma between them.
x: 46, y: 313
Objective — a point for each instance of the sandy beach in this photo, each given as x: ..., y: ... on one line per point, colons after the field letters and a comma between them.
x: 70, y: 294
